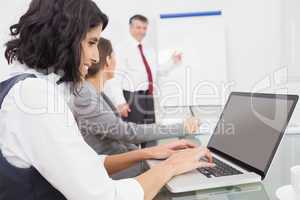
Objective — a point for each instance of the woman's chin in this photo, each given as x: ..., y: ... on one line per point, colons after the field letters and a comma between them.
x: 111, y: 76
x: 84, y: 72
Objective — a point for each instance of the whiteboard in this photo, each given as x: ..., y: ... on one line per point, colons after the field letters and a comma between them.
x: 200, y: 78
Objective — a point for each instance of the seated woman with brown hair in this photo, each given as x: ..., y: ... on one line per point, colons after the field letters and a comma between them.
x: 99, y: 121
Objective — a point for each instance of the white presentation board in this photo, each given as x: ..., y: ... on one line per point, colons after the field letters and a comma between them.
x: 203, y: 72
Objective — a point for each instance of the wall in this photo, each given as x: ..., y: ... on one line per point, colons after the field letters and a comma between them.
x: 262, y: 35
x: 9, y: 14
x: 252, y: 27
x: 253, y: 31
x: 291, y: 48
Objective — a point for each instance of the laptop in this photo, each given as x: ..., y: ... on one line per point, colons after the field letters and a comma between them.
x: 243, y: 143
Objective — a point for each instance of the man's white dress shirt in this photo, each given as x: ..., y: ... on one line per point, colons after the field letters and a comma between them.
x: 39, y: 130
x: 131, y: 74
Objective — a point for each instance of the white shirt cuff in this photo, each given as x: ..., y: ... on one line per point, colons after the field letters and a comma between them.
x: 120, y: 101
x: 129, y: 189
x: 102, y: 158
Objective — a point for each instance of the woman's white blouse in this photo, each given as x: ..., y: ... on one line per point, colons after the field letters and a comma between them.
x: 39, y: 130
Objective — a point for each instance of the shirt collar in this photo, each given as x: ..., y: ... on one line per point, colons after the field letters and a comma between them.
x: 18, y: 68
x: 134, y: 42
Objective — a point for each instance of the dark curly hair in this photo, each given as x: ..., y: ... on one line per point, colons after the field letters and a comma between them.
x: 47, y: 37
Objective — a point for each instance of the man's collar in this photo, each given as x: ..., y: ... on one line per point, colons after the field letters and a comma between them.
x: 133, y: 41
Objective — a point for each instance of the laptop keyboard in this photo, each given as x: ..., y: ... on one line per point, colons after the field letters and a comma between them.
x: 221, y: 169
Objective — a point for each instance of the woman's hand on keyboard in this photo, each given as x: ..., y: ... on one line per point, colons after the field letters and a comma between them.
x: 164, y: 151
x: 189, y: 159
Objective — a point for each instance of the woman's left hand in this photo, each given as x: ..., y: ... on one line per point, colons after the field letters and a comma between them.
x: 191, y: 125
x: 164, y: 151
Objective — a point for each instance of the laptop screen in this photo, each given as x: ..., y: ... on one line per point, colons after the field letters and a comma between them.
x: 251, y: 127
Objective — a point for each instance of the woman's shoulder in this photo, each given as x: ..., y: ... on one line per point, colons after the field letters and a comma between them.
x: 34, y: 93
x: 84, y: 91
x: 86, y: 96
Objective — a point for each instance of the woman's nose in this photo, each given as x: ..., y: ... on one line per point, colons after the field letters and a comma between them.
x: 95, y: 57
x: 95, y: 61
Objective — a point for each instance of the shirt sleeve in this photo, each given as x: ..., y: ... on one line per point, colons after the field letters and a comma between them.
x: 165, y: 67
x: 54, y: 146
x: 129, y: 189
x: 95, y: 117
x: 102, y: 158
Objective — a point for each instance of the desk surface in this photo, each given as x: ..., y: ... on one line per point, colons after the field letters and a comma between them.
x: 278, y: 175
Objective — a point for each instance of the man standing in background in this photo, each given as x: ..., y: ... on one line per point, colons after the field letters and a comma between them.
x: 132, y: 88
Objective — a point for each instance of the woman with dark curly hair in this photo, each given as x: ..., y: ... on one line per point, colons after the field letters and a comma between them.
x: 42, y: 153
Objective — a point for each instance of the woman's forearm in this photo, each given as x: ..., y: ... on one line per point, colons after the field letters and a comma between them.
x: 119, y: 162
x: 178, y: 162
x: 154, y: 179
x: 181, y: 162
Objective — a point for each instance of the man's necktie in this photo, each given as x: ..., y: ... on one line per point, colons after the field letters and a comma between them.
x: 149, y: 73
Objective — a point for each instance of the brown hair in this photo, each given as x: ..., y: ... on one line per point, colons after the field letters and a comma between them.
x: 105, y: 50
x: 138, y: 17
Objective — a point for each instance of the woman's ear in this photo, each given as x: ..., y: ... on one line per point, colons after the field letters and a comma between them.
x: 108, y: 61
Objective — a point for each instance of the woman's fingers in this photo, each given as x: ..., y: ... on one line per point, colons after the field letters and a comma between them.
x: 202, y: 164
x: 189, y: 159
x: 206, y: 153
x: 199, y: 163
x: 171, y: 152
x: 189, y: 144
x: 180, y: 144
